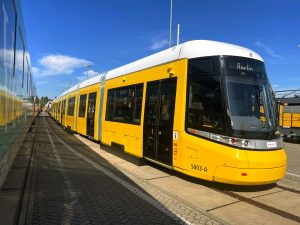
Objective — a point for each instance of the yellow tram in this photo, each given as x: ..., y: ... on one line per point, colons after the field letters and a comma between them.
x: 289, y: 116
x: 202, y: 108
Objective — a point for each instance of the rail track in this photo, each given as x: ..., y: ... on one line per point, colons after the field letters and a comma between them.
x: 258, y: 204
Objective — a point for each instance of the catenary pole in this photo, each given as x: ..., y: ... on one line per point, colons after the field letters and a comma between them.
x: 170, y: 39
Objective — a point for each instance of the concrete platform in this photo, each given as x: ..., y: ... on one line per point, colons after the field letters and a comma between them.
x: 73, y: 180
x: 66, y: 182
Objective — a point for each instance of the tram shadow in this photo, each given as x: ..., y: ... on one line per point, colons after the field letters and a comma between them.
x: 80, y: 185
x: 118, y: 151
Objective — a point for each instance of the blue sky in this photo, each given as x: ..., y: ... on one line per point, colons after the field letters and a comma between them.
x: 63, y: 35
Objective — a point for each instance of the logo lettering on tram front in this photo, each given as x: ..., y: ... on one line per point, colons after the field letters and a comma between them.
x: 245, y: 68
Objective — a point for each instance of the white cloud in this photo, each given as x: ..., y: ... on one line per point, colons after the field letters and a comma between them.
x: 42, y: 82
x: 87, y: 74
x: 267, y: 49
x: 91, y: 73
x: 159, y: 44
x: 52, y: 65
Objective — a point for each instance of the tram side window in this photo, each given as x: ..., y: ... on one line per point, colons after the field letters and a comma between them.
x: 138, y: 103
x: 205, y: 110
x: 202, y: 66
x: 63, y: 105
x: 71, y: 104
x: 82, y: 106
x: 58, y: 110
x: 124, y: 104
x: 110, y: 105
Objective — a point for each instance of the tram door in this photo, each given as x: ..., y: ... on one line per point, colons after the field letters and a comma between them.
x: 90, y: 119
x: 158, y: 120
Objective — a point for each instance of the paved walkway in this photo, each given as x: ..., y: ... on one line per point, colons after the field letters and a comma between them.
x: 70, y: 184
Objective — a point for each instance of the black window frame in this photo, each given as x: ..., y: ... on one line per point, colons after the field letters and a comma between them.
x: 71, y: 106
x: 82, y: 107
x: 59, y: 107
x: 135, y: 100
x: 214, y: 74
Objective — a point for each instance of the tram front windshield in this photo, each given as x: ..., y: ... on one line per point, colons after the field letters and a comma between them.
x: 231, y: 96
x: 250, y: 102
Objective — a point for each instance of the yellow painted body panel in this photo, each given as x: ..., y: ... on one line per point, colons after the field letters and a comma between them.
x: 232, y: 175
x: 296, y: 120
x: 54, y: 114
x: 287, y: 120
x: 71, y: 119
x: 58, y: 114
x: 199, y: 157
x: 266, y: 159
x: 64, y: 111
x: 53, y: 110
x: 128, y: 135
x: 280, y: 115
x: 203, y: 159
x: 81, y: 121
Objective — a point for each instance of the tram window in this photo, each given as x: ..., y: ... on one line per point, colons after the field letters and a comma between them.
x: 110, y: 105
x: 138, y: 103
x: 125, y: 104
x: 71, y: 104
x: 58, y: 107
x: 63, y: 107
x: 167, y: 103
x: 82, y: 106
x: 202, y: 66
x: 205, y: 110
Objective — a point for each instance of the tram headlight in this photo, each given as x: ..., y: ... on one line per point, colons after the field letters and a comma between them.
x: 238, y: 142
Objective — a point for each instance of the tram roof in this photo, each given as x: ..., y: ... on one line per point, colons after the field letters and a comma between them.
x: 187, y: 50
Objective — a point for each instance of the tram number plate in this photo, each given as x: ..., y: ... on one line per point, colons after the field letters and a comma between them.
x: 199, y: 167
x: 271, y: 144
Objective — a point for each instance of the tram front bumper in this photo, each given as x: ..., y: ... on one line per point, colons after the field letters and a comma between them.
x: 240, y: 176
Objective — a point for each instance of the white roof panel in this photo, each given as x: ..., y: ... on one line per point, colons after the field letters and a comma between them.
x: 202, y: 48
x: 187, y: 50
x: 159, y: 58
x: 91, y: 81
x: 74, y: 88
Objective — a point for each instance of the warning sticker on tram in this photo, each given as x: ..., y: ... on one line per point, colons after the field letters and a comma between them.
x: 271, y: 144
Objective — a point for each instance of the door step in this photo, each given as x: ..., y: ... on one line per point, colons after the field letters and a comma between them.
x: 159, y: 163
